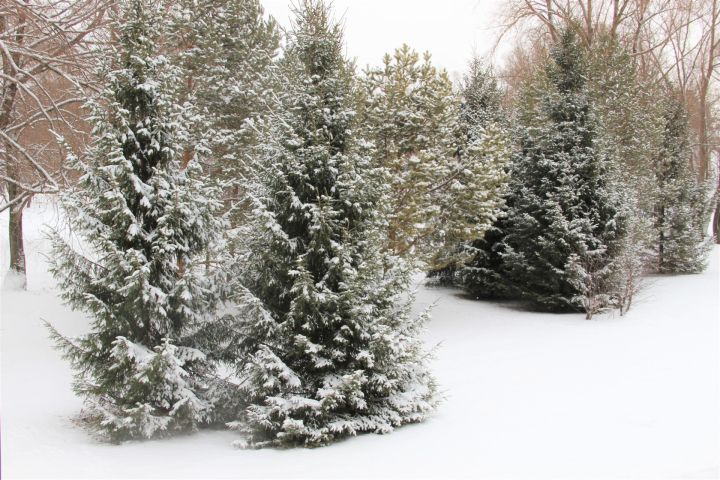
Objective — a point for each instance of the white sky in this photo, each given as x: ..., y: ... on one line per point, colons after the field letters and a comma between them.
x: 450, y: 29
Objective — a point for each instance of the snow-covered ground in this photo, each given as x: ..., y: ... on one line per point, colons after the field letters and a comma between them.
x: 529, y: 395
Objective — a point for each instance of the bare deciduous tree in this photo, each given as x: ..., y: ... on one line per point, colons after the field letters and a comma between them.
x: 675, y: 40
x: 46, y: 48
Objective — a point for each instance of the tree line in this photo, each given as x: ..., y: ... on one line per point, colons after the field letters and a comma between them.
x: 251, y: 216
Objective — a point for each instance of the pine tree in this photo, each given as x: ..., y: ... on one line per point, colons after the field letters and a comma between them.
x: 143, y: 222
x: 564, y: 222
x: 324, y: 341
x: 683, y: 206
x: 485, y: 135
x: 483, y: 274
x: 446, y: 182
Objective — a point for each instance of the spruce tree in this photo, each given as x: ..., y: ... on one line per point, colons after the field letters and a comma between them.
x: 683, y: 206
x: 324, y: 341
x: 481, y: 96
x: 143, y: 222
x: 226, y: 50
x: 564, y: 222
x: 483, y: 275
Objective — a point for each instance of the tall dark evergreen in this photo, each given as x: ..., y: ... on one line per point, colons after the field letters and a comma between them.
x: 683, y: 206
x: 557, y: 243
x: 564, y: 221
x: 144, y: 222
x: 483, y: 276
x: 325, y: 343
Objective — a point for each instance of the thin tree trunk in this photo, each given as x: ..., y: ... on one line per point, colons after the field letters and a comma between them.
x: 706, y: 78
x: 550, y: 20
x: 661, y: 240
x: 629, y: 303
x: 716, y: 217
x: 704, y: 147
x: 15, y: 232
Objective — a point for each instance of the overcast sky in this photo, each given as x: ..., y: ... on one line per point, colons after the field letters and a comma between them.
x: 450, y: 29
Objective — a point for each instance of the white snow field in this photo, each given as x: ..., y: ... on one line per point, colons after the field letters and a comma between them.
x: 529, y: 395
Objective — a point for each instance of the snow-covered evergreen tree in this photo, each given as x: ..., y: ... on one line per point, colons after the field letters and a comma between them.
x: 683, y: 206
x: 143, y: 222
x: 483, y: 275
x: 446, y: 182
x: 483, y: 127
x: 323, y: 337
x: 226, y: 50
x: 481, y: 96
x: 564, y: 223
x: 474, y: 199
x: 628, y: 116
x: 629, y: 131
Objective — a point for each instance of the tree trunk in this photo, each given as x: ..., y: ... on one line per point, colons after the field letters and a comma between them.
x: 716, y: 217
x: 9, y: 94
x: 15, y: 232
x: 15, y: 223
x: 661, y: 240
x: 705, y: 110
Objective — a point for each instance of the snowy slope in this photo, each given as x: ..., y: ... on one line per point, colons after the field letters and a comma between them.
x: 529, y: 395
